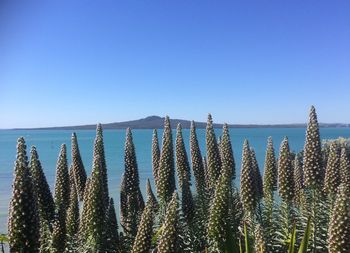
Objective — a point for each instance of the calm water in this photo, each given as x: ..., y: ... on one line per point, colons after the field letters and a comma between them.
x: 48, y: 144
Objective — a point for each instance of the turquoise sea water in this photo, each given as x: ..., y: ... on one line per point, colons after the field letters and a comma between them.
x: 48, y: 144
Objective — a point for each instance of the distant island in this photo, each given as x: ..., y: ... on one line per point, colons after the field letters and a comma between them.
x: 153, y: 122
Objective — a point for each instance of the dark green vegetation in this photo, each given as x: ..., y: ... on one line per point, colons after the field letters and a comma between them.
x: 301, y: 203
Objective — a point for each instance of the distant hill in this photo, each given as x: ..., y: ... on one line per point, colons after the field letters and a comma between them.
x: 152, y: 122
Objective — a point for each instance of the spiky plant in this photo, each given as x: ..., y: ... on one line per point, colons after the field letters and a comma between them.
x: 132, y: 172
x: 313, y: 169
x: 23, y: 223
x: 45, y: 204
x: 45, y: 237
x: 332, y: 176
x: 83, y: 217
x: 151, y: 197
x: 111, y: 225
x: 143, y: 239
x: 131, y: 196
x: 94, y: 209
x: 269, y: 188
x: 299, y: 197
x: 285, y: 173
x: 339, y: 227
x: 257, y: 176
x: 213, y: 154
x: 283, y: 221
x: 155, y: 156
x: 100, y: 152
x: 247, y: 186
x: 58, y: 236
x: 61, y: 197
x: 227, y: 158
x: 220, y: 235
x: 166, y: 172
x: 270, y: 170
x: 124, y: 215
x: 219, y: 144
x: 72, y: 220
x: 235, y: 215
x: 77, y: 167
x: 312, y: 162
x: 182, y: 164
x: 260, y: 243
x: 197, y: 163
x: 202, y: 198
x: 62, y: 187
x: 169, y: 238
x: 344, y: 168
x: 184, y: 174
x: 206, y: 174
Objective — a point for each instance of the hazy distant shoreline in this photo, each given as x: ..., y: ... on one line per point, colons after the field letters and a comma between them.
x: 157, y: 122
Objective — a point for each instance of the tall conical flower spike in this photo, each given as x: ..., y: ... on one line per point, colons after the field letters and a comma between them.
x: 227, y: 158
x: 332, y: 177
x: 197, y: 162
x: 72, y: 220
x: 99, y: 152
x: 339, y: 227
x: 184, y: 174
x: 298, y: 182
x: 155, y: 156
x: 182, y: 164
x: 143, y: 239
x: 213, y: 154
x: 112, y: 235
x: 312, y: 164
x: 78, y: 171
x: 285, y: 173
x: 166, y: 173
x: 344, y: 168
x: 151, y: 197
x: 169, y: 239
x: 248, y: 188
x: 46, y: 205
x: 257, y: 176
x: 270, y: 170
x: 61, y: 197
x: 218, y: 229
x: 23, y: 223
x: 94, y: 209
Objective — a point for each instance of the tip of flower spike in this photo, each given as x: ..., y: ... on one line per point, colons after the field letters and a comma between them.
x: 246, y: 143
x: 210, y: 118
x: 166, y: 121
x: 63, y: 148
x: 179, y: 127
x: 21, y: 139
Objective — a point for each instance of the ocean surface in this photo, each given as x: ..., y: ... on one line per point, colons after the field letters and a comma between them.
x: 48, y: 144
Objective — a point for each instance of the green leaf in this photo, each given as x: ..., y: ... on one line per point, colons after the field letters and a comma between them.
x: 246, y: 239
x: 306, y: 237
x: 3, y: 238
x: 156, y: 235
x: 291, y: 248
x: 240, y: 245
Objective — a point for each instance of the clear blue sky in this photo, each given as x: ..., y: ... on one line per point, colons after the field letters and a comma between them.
x: 77, y: 62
